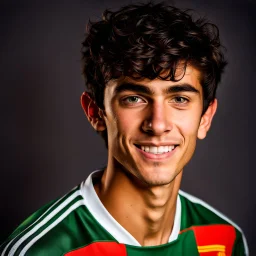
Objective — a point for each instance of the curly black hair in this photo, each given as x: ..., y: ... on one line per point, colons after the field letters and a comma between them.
x: 150, y: 41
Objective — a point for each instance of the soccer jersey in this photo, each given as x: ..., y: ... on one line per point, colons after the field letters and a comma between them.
x: 78, y: 224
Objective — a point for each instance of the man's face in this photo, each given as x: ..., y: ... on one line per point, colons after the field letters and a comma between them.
x: 153, y: 125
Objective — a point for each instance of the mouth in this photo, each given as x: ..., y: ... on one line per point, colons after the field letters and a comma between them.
x: 156, y: 150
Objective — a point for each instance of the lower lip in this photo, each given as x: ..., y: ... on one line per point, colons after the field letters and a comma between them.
x: 156, y: 156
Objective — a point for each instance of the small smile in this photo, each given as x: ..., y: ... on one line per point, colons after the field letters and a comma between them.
x: 156, y: 150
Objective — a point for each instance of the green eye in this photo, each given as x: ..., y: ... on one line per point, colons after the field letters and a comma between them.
x: 180, y: 100
x: 132, y: 99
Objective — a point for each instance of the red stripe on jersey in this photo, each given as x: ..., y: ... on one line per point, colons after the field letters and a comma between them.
x: 213, y: 240
x: 100, y: 248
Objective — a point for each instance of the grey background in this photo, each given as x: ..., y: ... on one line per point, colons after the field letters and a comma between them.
x: 47, y: 145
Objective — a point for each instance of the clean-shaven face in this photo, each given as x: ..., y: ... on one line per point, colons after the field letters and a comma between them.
x: 152, y: 125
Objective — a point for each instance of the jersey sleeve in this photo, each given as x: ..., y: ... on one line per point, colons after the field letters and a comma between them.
x: 23, y: 227
x: 240, y: 247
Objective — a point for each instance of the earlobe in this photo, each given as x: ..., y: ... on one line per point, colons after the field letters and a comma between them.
x: 93, y: 112
x: 206, y: 120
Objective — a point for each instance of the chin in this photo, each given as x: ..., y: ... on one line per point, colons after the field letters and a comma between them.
x: 157, y: 179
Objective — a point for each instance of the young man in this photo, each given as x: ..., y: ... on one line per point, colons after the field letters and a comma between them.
x: 152, y: 74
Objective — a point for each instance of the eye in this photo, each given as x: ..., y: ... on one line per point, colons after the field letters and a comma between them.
x: 132, y: 100
x: 180, y: 100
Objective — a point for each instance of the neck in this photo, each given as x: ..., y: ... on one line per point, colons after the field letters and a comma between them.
x: 151, y: 208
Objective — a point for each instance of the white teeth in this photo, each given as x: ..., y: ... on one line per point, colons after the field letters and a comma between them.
x: 157, y: 150
x: 160, y: 150
x: 153, y: 150
x: 170, y: 148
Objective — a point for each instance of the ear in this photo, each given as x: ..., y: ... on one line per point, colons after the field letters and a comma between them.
x: 93, y: 112
x: 206, y: 120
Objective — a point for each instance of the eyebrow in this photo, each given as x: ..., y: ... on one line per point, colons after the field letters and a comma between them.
x: 140, y: 88
x: 184, y: 87
x: 133, y: 87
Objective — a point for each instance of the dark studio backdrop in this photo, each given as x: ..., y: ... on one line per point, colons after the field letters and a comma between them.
x: 47, y: 145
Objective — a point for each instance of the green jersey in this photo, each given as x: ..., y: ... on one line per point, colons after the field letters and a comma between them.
x: 78, y: 224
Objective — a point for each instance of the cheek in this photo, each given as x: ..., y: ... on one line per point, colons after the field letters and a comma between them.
x: 189, y: 124
x: 127, y: 122
x: 124, y: 123
x: 188, y: 128
x: 120, y: 128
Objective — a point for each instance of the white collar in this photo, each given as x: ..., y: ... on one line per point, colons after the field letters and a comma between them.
x: 101, y: 214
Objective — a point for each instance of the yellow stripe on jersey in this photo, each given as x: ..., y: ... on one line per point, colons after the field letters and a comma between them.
x: 211, y: 248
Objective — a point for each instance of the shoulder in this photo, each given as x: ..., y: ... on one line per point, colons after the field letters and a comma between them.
x: 38, y: 225
x: 198, y: 213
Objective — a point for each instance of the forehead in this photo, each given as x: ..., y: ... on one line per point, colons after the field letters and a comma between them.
x: 190, y: 77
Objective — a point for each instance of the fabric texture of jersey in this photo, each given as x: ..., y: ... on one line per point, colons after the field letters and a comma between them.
x: 78, y: 224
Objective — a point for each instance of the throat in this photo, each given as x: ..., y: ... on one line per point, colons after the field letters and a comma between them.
x: 158, y: 227
x: 151, y: 209
x: 155, y: 218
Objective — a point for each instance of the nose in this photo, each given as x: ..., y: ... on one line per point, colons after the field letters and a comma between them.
x: 157, y: 120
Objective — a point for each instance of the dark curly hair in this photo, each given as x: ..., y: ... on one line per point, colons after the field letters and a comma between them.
x: 150, y: 41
